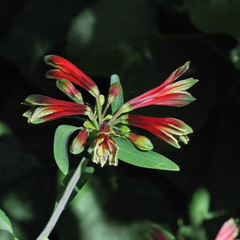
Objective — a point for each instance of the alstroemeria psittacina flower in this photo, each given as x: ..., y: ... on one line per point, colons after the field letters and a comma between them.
x: 229, y: 230
x: 170, y: 130
x: 167, y: 94
x: 99, y: 128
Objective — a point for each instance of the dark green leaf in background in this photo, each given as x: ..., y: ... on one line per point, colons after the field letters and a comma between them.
x: 214, y: 16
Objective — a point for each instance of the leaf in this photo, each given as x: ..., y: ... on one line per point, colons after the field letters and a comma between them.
x: 214, y: 16
x: 88, y: 171
x: 60, y: 148
x: 235, y: 56
x: 129, y: 154
x: 119, y: 100
x: 199, y: 206
x: 5, y: 224
x: 4, y: 129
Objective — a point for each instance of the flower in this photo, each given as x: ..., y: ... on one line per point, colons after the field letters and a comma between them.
x: 98, y: 128
x: 79, y: 141
x: 228, y: 231
x: 45, y: 108
x: 66, y: 70
x: 105, y: 149
x: 168, y: 93
x: 160, y: 235
x: 170, y: 130
x: 139, y: 141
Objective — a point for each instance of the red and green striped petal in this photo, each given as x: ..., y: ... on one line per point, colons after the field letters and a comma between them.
x: 41, y: 100
x: 46, y: 109
x: 175, y: 99
x: 170, y: 130
x: 79, y: 141
x: 176, y: 74
x: 168, y: 93
x: 67, y: 70
x: 68, y: 88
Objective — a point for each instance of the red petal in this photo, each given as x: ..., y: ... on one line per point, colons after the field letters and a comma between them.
x: 69, y: 72
x: 177, y: 73
x: 40, y: 100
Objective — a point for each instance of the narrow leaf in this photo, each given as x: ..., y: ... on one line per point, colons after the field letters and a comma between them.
x: 5, y: 224
x: 88, y: 171
x: 60, y: 147
x: 118, y: 102
x: 149, y: 159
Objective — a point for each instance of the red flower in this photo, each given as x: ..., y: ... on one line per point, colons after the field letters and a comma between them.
x: 105, y: 149
x: 228, y: 231
x: 67, y: 70
x: 45, y: 108
x: 170, y: 130
x: 168, y: 93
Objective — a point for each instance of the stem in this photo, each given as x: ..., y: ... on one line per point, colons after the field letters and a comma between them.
x: 93, y: 119
x: 123, y: 109
x: 119, y: 112
x: 99, y: 109
x: 63, y: 201
x: 105, y: 110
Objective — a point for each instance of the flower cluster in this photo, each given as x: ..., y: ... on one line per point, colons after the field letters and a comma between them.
x: 99, y: 127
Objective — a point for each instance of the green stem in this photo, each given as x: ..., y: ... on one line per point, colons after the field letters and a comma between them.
x: 99, y: 109
x: 63, y: 201
x: 105, y: 110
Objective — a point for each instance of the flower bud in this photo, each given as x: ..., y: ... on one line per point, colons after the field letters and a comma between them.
x: 67, y: 87
x: 141, y: 142
x: 78, y: 142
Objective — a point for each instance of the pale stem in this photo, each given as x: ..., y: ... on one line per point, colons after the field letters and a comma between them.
x: 105, y: 110
x: 99, y: 108
x: 92, y: 118
x: 63, y: 201
x: 119, y: 112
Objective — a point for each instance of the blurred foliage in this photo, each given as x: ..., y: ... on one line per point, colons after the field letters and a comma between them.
x: 142, y: 41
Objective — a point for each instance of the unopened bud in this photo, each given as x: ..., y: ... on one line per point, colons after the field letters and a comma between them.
x: 141, y: 142
x: 78, y: 142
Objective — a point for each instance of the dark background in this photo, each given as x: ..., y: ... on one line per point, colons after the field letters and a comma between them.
x: 143, y: 41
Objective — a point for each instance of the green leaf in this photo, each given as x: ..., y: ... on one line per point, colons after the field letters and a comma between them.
x: 88, y: 171
x: 60, y: 147
x: 129, y: 154
x: 4, y: 129
x: 199, y: 206
x: 214, y: 16
x: 5, y: 224
x: 119, y: 100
